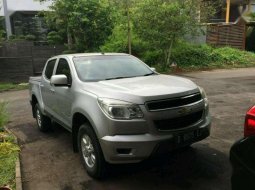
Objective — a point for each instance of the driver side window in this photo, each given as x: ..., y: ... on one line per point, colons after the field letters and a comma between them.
x: 49, y: 69
x: 64, y: 69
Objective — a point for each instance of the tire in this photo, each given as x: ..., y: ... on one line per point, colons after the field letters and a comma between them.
x: 186, y: 147
x: 90, y: 152
x: 43, y: 122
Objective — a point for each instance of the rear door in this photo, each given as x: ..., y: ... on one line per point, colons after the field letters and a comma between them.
x: 46, y: 88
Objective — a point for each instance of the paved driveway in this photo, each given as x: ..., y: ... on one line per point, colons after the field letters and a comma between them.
x: 49, y: 163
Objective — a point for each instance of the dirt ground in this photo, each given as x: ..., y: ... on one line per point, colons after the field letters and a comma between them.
x: 48, y: 162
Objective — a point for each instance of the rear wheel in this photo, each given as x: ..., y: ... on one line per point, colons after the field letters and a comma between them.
x: 90, y: 152
x: 43, y: 122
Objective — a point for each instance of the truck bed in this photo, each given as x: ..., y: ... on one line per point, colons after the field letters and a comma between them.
x: 34, y: 79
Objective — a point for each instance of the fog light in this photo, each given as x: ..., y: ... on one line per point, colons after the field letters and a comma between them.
x: 124, y: 150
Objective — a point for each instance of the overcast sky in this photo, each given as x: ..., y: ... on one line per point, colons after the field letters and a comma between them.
x: 24, y: 5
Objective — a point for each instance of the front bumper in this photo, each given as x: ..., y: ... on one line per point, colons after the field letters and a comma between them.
x: 135, y: 148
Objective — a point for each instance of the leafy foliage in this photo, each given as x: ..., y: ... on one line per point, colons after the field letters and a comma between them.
x: 250, y: 38
x: 194, y: 57
x: 54, y: 38
x: 156, y: 30
x: 117, y: 42
x: 8, y: 156
x: 156, y: 26
x: 8, y: 151
x: 85, y: 24
x: 30, y: 37
x: 230, y: 56
x: 252, y: 15
x: 3, y: 115
x: 162, y: 23
x: 2, y: 31
x: 12, y: 86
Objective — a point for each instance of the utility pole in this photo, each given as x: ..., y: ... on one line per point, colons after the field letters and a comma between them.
x: 129, y: 34
x: 7, y: 19
x: 228, y: 11
x: 249, y: 6
x: 127, y: 7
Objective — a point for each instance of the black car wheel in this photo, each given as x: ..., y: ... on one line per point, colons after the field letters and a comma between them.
x: 90, y: 152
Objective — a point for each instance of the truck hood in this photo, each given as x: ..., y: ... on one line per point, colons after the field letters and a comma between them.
x: 141, y: 89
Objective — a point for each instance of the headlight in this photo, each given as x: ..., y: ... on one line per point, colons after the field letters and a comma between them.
x: 117, y: 109
x: 204, y: 96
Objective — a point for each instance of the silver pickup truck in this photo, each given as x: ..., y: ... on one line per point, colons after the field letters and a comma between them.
x: 117, y: 108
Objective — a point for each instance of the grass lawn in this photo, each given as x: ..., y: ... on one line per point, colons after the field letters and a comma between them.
x: 9, y: 152
x: 12, y: 86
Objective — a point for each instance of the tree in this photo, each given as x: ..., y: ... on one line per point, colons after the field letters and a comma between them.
x: 54, y: 38
x: 2, y: 30
x: 162, y: 22
x: 122, y: 11
x: 86, y: 23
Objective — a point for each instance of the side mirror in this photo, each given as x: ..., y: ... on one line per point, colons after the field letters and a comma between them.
x: 59, y: 80
x: 153, y: 69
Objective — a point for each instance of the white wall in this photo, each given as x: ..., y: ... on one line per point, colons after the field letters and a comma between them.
x: 24, y: 5
x: 1, y: 8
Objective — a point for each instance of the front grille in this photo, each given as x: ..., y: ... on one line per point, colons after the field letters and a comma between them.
x: 179, y: 122
x: 173, y: 103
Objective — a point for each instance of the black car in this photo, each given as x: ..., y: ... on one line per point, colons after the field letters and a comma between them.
x: 242, y: 156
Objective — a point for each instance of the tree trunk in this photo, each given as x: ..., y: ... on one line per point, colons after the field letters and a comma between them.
x: 129, y: 31
x: 69, y: 39
x: 169, y: 53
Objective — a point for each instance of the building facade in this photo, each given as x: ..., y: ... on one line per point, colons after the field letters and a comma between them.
x: 21, y: 16
x: 237, y: 9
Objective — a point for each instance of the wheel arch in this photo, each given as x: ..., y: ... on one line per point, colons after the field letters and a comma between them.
x: 77, y: 120
x: 34, y: 101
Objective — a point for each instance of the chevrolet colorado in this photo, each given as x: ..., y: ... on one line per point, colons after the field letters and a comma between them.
x: 118, y: 109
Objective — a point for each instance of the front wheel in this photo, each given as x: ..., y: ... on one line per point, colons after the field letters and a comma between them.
x: 90, y: 152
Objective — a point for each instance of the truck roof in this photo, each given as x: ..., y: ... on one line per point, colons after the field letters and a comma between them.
x: 88, y: 54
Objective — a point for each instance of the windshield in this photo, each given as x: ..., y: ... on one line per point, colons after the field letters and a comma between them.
x: 96, y: 68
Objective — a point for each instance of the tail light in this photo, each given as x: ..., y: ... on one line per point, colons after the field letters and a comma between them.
x: 249, y: 126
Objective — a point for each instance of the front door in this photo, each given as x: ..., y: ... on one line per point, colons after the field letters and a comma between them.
x: 63, y: 95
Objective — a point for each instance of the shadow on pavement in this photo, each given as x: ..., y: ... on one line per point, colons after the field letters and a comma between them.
x: 197, y: 167
x: 179, y: 168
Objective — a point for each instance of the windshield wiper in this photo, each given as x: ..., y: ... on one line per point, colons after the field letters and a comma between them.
x: 149, y: 74
x: 114, y: 78
x: 118, y: 78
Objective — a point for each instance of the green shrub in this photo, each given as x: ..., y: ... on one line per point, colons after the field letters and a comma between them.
x: 21, y: 37
x: 152, y: 57
x: 231, y: 56
x: 12, y: 37
x: 185, y: 54
x: 30, y: 37
x: 3, y: 115
x: 54, y: 38
x: 190, y: 56
x: 11, y: 86
x: 69, y: 52
x: 8, y: 157
x: 8, y: 152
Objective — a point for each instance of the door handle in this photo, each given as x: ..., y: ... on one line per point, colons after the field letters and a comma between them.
x: 52, y: 90
x: 41, y: 85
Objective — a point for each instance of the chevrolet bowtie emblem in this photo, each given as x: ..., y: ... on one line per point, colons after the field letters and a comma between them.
x: 184, y: 111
